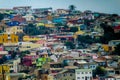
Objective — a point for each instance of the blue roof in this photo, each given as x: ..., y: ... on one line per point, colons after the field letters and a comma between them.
x: 13, y: 23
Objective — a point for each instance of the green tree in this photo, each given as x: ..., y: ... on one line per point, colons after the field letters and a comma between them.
x: 117, y: 50
x: 85, y: 39
x: 23, y: 53
x: 31, y: 29
x: 70, y: 45
x: 100, y: 70
x: 73, y: 29
x: 1, y: 16
x: 13, y: 55
x: 108, y: 33
x: 72, y: 7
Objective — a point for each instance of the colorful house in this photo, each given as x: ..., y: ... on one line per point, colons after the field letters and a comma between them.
x: 41, y: 61
x: 13, y: 23
x: 29, y: 60
x: 19, y: 19
x: 59, y: 20
x: 14, y: 30
x: 6, y: 38
x: 31, y: 38
x: 117, y: 29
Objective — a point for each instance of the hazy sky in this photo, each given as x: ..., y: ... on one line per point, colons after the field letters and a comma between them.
x: 107, y: 6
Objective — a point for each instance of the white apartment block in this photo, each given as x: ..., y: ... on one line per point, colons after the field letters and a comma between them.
x: 83, y: 74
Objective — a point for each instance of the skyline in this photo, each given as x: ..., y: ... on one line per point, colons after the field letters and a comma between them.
x: 105, y: 6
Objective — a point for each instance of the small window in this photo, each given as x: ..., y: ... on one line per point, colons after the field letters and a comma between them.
x: 70, y: 74
x: 82, y: 72
x: 82, y: 77
x: 78, y: 77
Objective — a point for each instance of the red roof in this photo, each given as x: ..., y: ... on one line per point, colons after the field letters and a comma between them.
x: 19, y: 18
x: 117, y: 27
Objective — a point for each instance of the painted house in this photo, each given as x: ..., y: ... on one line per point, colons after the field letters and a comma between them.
x: 117, y: 29
x: 101, y: 61
x: 83, y: 74
x: 114, y: 42
x: 13, y: 23
x: 41, y: 61
x: 29, y: 17
x: 23, y: 46
x: 29, y: 59
x: 64, y: 36
x: 75, y: 12
x: 22, y: 10
x: 8, y: 38
x: 7, y: 11
x: 14, y: 30
x: 31, y: 38
x: 65, y: 75
x: 62, y: 11
x: 59, y: 20
x: 14, y: 65
x: 110, y: 71
x: 42, y: 12
x: 19, y: 19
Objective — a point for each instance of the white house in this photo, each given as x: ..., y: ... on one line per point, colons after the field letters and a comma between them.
x: 83, y: 74
x: 14, y: 65
x: 114, y: 42
x: 29, y: 17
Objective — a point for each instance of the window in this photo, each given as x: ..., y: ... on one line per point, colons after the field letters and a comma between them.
x: 90, y: 72
x: 82, y: 72
x: 78, y: 77
x: 64, y: 75
x: 70, y: 74
x: 86, y: 72
x: 82, y: 77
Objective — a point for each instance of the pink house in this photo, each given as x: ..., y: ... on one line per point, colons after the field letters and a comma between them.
x: 29, y: 59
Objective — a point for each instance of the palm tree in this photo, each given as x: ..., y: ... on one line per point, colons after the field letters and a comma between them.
x: 72, y: 7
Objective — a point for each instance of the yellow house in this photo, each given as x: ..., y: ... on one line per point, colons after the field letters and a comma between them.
x: 107, y: 48
x: 40, y: 24
x: 49, y: 25
x: 29, y: 38
x: 6, y: 38
x: 47, y: 77
x: 6, y: 70
x: 28, y: 46
x: 14, y: 30
x: 79, y: 32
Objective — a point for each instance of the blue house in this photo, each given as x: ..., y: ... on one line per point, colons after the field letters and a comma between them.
x: 13, y: 23
x: 59, y: 20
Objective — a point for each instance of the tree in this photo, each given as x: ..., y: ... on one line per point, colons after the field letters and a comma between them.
x: 1, y: 16
x: 73, y: 29
x: 70, y: 45
x: 13, y: 55
x: 72, y: 7
x: 31, y: 29
x: 100, y: 70
x: 108, y: 33
x: 23, y: 53
x: 117, y: 50
x: 85, y: 39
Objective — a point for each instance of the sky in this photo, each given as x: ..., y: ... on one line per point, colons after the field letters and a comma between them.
x: 106, y: 6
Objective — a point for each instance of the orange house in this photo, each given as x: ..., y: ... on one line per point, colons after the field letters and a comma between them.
x: 5, y: 38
